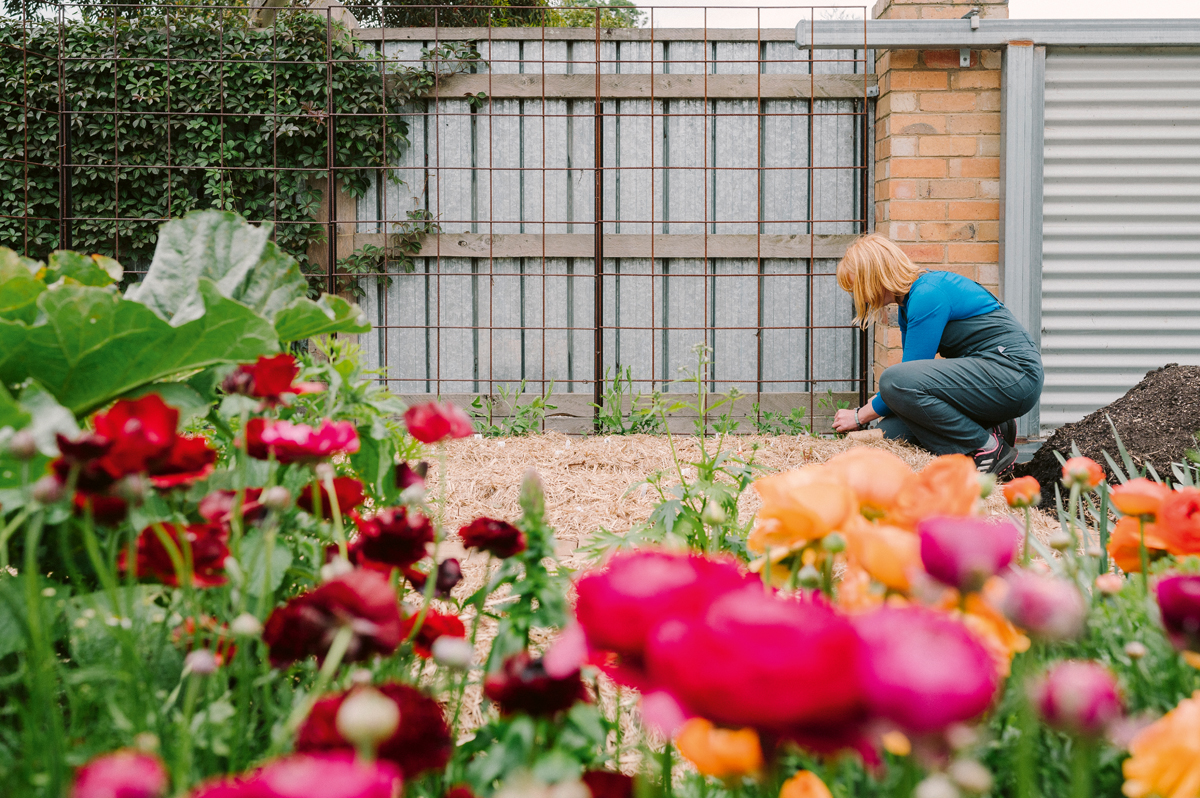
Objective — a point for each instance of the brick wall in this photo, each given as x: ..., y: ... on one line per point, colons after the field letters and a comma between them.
x: 937, y: 155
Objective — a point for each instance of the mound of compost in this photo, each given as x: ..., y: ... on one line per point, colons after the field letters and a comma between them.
x: 1158, y: 421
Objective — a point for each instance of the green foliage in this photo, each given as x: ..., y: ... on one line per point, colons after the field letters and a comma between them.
x: 769, y: 422
x: 523, y: 418
x: 403, y: 245
x: 618, y: 394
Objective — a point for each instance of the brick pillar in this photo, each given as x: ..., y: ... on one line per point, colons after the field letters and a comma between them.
x: 937, y: 155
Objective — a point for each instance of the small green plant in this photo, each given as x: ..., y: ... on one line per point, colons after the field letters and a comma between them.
x: 523, y: 419
x: 619, y: 392
x: 833, y: 405
x: 404, y: 243
x: 769, y: 422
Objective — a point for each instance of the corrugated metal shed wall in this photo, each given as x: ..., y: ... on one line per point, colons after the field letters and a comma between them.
x: 1121, y: 237
x: 541, y: 181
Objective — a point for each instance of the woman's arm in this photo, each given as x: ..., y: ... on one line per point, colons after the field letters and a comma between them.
x: 850, y: 420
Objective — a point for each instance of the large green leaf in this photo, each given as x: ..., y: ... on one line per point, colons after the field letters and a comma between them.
x: 239, y: 258
x: 74, y: 267
x: 305, y: 318
x: 19, y: 286
x: 93, y: 346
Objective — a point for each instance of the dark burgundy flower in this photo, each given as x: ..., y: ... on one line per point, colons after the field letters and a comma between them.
x: 362, y: 600
x: 434, y: 625
x: 459, y: 791
x: 188, y: 460
x: 498, y: 538
x: 84, y: 449
x: 121, y: 774
x: 300, y: 443
x: 607, y: 784
x: 217, y: 507
x: 434, y: 422
x: 106, y: 510
x: 408, y: 476
x: 421, y: 742
x: 449, y: 574
x: 349, y: 492
x: 268, y: 378
x: 522, y: 685
x: 392, y: 538
x: 141, y: 430
x: 1179, y: 605
x: 208, y: 543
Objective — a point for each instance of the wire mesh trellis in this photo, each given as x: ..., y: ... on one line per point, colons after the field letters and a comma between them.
x: 596, y: 199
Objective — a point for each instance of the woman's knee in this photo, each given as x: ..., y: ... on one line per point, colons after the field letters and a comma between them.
x: 894, y: 382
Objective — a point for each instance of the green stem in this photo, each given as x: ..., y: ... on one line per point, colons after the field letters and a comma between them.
x: 461, y: 689
x: 1081, y: 768
x: 333, y: 659
x: 42, y: 665
x: 7, y: 532
x: 1028, y: 534
x: 666, y: 769
x: 1143, y: 555
x: 183, y: 761
x: 339, y: 532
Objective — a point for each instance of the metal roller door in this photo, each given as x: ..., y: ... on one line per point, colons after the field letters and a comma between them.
x: 1121, y: 235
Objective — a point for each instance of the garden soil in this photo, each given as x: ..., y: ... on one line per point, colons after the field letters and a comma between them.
x: 1158, y: 421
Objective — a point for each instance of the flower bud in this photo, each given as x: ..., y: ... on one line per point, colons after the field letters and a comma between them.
x: 987, y: 484
x: 809, y: 577
x: 449, y: 574
x: 133, y: 488
x: 533, y: 494
x: 936, y: 786
x: 713, y: 514
x: 48, y: 490
x: 453, y: 652
x: 324, y: 471
x: 277, y: 498
x: 1135, y: 650
x: 201, y: 662
x: 1083, y: 473
x: 1023, y: 492
x: 367, y: 717
x: 22, y: 445
x: 146, y: 741
x: 833, y: 543
x: 971, y: 775
x: 1110, y: 583
x: 1079, y: 698
x: 246, y: 625
x: 960, y: 736
x: 1061, y: 541
x: 413, y: 494
x: 361, y: 677
x: 337, y: 566
x: 1046, y: 608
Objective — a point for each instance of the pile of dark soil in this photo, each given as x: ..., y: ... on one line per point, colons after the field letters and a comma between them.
x: 1158, y: 421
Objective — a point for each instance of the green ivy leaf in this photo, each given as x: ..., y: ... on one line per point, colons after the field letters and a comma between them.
x: 329, y: 314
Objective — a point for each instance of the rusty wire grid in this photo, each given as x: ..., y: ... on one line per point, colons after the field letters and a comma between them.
x: 729, y: 168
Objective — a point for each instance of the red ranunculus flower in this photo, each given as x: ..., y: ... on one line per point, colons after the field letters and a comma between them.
x: 106, y: 510
x: 607, y: 784
x: 459, y: 791
x: 449, y: 574
x: 300, y: 443
x: 331, y: 775
x: 522, y: 685
x: 349, y: 492
x: 209, y: 547
x: 254, y: 442
x: 306, y: 626
x: 268, y: 378
x: 434, y: 422
x: 619, y: 605
x: 188, y: 460
x: 752, y: 659
x: 121, y: 774
x: 923, y: 670
x: 964, y: 552
x: 408, y: 476
x: 435, y: 625
x: 421, y: 742
x: 392, y: 538
x: 498, y: 538
x: 218, y: 506
x: 141, y: 430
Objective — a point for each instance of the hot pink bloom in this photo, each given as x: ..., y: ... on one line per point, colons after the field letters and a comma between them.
x: 964, y: 552
x: 523, y: 685
x: 294, y: 443
x: 218, y: 506
x: 1080, y: 698
x: 498, y: 538
x: 1046, y: 608
x: 1179, y: 603
x: 434, y: 422
x: 121, y: 774
x: 333, y: 775
x: 922, y: 670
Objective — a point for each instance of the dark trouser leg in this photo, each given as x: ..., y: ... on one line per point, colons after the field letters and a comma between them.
x: 949, y: 406
x: 894, y: 429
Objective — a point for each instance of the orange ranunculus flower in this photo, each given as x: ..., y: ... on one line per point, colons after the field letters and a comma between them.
x: 805, y: 784
x: 1123, y: 543
x: 1179, y: 521
x: 1139, y: 497
x: 1023, y: 492
x: 723, y: 753
x: 1164, y: 757
x: 1002, y: 640
x: 797, y: 507
x: 854, y: 590
x: 947, y: 486
x: 888, y: 553
x: 875, y: 476
x: 1082, y: 471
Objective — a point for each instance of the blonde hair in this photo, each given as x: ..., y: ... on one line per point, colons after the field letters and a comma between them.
x: 871, y: 266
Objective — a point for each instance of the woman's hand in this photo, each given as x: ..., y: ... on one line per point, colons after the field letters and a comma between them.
x: 845, y: 420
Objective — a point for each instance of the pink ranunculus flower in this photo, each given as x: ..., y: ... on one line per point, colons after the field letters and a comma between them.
x: 964, y: 552
x: 1079, y: 698
x: 330, y: 775
x: 294, y: 443
x: 434, y: 422
x: 923, y: 670
x: 1042, y: 606
x: 121, y: 774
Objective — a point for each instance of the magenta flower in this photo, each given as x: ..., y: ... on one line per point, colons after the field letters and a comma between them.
x: 964, y: 552
x: 295, y: 443
x: 121, y: 774
x: 331, y: 775
x: 1046, y: 608
x: 923, y: 670
x: 1079, y: 698
x: 434, y: 422
x: 1179, y: 604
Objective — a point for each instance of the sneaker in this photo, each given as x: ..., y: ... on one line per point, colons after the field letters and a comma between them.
x: 1006, y: 431
x: 995, y: 459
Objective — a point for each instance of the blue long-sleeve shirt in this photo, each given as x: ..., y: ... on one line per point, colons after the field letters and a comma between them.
x: 935, y: 299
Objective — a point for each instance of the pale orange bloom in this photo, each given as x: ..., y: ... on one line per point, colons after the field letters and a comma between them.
x: 1123, y: 543
x: 1002, y: 640
x: 722, y: 753
x: 805, y: 784
x: 1164, y: 757
x: 854, y: 591
x: 875, y: 476
x: 797, y: 507
x: 1139, y: 497
x: 1022, y: 492
x: 888, y: 553
x: 947, y: 486
x: 1082, y: 471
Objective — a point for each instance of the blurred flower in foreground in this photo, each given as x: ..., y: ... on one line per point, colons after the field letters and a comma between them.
x: 522, y: 685
x: 804, y: 784
x: 607, y: 784
x: 434, y: 626
x: 1079, y: 698
x: 1164, y: 757
x: 798, y: 507
x: 334, y: 775
x: 121, y: 774
x: 1139, y: 497
x: 208, y: 552
x: 434, y: 422
x: 1179, y: 605
x: 1124, y: 543
x: 964, y: 552
x: 300, y: 443
x: 349, y: 493
x: 1179, y: 519
x: 722, y: 753
x: 948, y: 486
x: 1044, y: 607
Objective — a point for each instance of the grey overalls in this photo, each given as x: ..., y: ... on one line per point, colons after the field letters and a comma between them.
x: 992, y: 372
